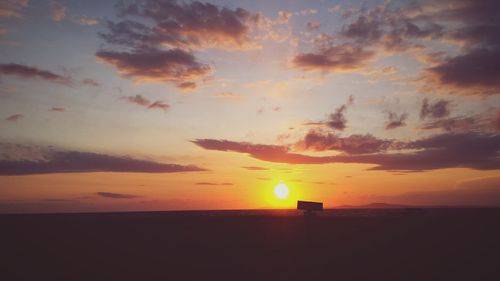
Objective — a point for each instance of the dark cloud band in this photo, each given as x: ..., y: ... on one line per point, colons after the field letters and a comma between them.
x: 37, y: 160
x: 468, y: 150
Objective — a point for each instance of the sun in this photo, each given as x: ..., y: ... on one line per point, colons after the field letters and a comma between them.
x: 281, y: 191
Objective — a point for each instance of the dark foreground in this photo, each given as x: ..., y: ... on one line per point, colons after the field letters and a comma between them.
x: 430, y: 244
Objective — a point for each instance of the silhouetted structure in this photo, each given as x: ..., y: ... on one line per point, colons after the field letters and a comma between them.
x: 309, y: 206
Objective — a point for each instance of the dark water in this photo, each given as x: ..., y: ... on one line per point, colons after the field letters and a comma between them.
x: 340, y: 244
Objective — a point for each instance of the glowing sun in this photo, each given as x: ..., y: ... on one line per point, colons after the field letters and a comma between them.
x: 281, y: 191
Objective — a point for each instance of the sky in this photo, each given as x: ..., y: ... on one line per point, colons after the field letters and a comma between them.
x: 182, y: 105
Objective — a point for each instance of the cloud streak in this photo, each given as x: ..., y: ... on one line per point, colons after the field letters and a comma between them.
x: 111, y: 195
x: 270, y: 153
x: 142, y: 101
x: 14, y: 117
x: 337, y: 119
x: 90, y: 82
x: 12, y: 8
x: 24, y: 160
x: 214, y: 183
x: 467, y: 150
x: 57, y: 109
x: 395, y: 121
x: 458, y: 124
x: 24, y: 71
x: 336, y: 58
x: 316, y: 140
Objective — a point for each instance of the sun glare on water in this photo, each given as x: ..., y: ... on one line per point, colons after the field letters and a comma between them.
x: 281, y: 191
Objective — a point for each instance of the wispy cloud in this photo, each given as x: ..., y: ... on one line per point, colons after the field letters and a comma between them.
x: 90, y: 82
x: 317, y: 140
x: 57, y: 109
x: 213, y: 183
x: 159, y: 105
x: 116, y: 195
x: 438, y: 109
x: 14, y: 117
x: 459, y: 124
x: 255, y: 168
x: 395, y: 121
x: 48, y: 160
x: 138, y: 99
x: 12, y: 8
x: 334, y: 58
x: 337, y: 119
x: 57, y: 11
x: 227, y: 95
x: 467, y: 150
x: 313, y: 25
x: 24, y: 71
x: 187, y: 86
x: 142, y: 101
x: 390, y: 28
x: 84, y: 20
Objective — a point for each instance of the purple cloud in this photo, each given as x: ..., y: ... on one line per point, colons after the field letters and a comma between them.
x: 12, y: 8
x: 335, y: 58
x: 354, y: 144
x: 57, y: 109
x: 496, y: 121
x: 21, y: 160
x: 468, y: 150
x: 395, y: 121
x: 91, y: 82
x: 152, y: 65
x: 438, y: 109
x: 337, y: 119
x: 142, y: 101
x: 159, y: 105
x: 117, y: 195
x: 459, y: 124
x: 24, y: 71
x: 14, y: 117
x: 138, y: 99
x: 187, y: 86
x: 270, y: 153
x: 145, y: 28
x: 402, y: 27
x: 313, y: 25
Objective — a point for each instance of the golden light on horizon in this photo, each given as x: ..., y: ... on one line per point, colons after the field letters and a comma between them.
x: 281, y: 191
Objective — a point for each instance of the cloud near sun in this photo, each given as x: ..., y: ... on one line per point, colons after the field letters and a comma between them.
x: 475, y: 151
x: 373, y: 32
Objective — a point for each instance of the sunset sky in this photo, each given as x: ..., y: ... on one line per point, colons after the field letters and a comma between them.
x: 173, y: 105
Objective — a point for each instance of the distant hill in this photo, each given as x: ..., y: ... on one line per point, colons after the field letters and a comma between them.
x: 376, y: 206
